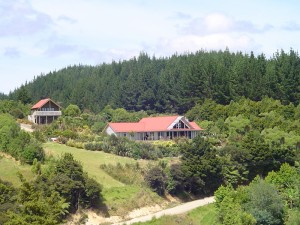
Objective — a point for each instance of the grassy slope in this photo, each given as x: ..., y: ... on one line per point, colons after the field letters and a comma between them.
x: 119, y: 198
x: 91, y: 161
x: 205, y: 215
x: 9, y: 169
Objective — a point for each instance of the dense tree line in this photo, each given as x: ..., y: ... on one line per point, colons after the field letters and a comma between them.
x: 171, y: 84
x: 3, y: 96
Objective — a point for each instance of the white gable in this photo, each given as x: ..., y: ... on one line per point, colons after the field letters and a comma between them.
x: 175, y: 121
x: 109, y: 131
x: 178, y: 119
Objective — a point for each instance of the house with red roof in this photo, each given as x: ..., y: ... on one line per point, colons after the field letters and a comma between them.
x: 44, y: 112
x: 155, y: 128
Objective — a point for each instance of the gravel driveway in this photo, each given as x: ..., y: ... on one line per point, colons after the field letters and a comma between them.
x: 26, y: 127
x: 172, y: 211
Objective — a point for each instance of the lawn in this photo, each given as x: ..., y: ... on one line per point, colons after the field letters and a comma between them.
x: 9, y: 169
x: 205, y: 215
x: 91, y: 161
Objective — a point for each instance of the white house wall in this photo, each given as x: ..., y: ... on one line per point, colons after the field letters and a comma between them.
x: 110, y: 131
x: 151, y: 135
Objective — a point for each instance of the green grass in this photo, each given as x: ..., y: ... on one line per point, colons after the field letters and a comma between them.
x: 9, y: 169
x: 122, y: 200
x: 91, y: 161
x: 205, y: 215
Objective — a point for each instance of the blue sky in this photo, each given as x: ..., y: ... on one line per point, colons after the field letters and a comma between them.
x: 39, y: 36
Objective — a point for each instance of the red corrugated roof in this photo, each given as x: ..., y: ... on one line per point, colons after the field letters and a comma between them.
x: 126, y: 127
x: 42, y: 102
x: 150, y: 124
x: 195, y: 126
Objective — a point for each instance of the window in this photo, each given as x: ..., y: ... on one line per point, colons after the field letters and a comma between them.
x: 179, y: 125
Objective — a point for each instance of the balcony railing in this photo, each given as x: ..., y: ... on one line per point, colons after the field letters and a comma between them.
x: 47, y: 113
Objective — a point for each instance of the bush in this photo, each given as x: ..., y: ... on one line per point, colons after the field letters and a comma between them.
x: 175, y: 182
x: 75, y: 144
x: 92, y: 193
x: 69, y: 134
x: 93, y: 146
x: 156, y: 180
x: 31, y: 152
x: 39, y: 136
x: 148, y: 151
x: 106, y: 147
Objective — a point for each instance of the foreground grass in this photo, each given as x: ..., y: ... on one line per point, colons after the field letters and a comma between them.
x: 10, y: 168
x: 205, y: 215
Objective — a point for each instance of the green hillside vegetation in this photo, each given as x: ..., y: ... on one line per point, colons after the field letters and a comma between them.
x: 249, y: 138
x: 171, y: 84
x: 240, y: 142
x: 274, y: 200
x: 248, y: 106
x: 17, y: 143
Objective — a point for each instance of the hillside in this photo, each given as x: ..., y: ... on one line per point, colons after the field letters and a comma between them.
x: 171, y: 84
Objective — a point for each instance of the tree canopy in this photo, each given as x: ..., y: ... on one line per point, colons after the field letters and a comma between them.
x: 170, y: 84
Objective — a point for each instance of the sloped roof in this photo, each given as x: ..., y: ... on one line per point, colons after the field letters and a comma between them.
x: 126, y: 127
x: 42, y: 102
x: 195, y: 126
x: 150, y: 124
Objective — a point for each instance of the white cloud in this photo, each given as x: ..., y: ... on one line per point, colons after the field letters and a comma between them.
x: 191, y: 43
x: 12, y: 52
x: 291, y: 26
x: 221, y: 23
x: 19, y: 18
x: 60, y: 50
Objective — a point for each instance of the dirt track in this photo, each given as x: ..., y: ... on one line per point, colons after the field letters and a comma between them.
x: 26, y: 127
x: 172, y: 211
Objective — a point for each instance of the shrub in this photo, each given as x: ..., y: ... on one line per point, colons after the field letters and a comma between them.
x: 93, y: 146
x: 69, y: 134
x: 156, y: 180
x: 39, y: 136
x: 92, y: 195
x: 31, y: 152
x: 75, y: 144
